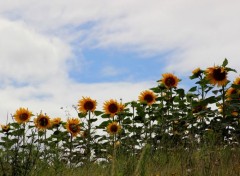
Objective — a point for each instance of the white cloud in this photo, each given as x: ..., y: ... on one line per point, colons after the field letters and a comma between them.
x: 35, y: 37
x: 28, y: 57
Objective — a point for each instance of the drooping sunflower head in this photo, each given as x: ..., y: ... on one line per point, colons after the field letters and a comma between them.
x: 237, y: 81
x: 5, y: 128
x: 217, y: 75
x: 113, y: 128
x: 147, y: 97
x: 22, y: 115
x: 42, y: 122
x: 111, y: 107
x: 87, y: 104
x: 169, y: 80
x: 56, y: 122
x: 73, y: 126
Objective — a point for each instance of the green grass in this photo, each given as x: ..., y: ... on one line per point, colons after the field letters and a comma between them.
x: 177, y: 162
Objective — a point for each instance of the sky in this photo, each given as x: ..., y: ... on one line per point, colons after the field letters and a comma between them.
x: 54, y: 52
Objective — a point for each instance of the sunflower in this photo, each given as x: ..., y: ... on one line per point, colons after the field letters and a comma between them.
x: 56, y: 122
x: 5, y: 128
x: 22, y: 115
x: 111, y: 107
x: 42, y: 122
x: 237, y: 81
x: 231, y: 92
x: 113, y: 128
x: 217, y: 76
x: 147, y: 97
x: 86, y: 104
x: 169, y: 80
x: 197, y: 72
x: 121, y: 107
x: 73, y: 126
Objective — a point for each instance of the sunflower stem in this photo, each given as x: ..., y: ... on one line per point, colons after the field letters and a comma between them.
x: 113, y: 156
x: 223, y: 100
x: 89, y: 138
x: 70, y: 160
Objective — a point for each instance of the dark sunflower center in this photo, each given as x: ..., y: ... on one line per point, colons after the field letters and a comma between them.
x: 88, y: 105
x: 170, y: 82
x: 23, y: 116
x: 114, y: 128
x: 43, y: 122
x: 219, y: 75
x: 73, y: 128
x: 113, y: 108
x: 148, y: 98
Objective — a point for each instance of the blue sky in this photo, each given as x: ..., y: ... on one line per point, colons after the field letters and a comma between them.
x: 104, y: 65
x: 53, y: 53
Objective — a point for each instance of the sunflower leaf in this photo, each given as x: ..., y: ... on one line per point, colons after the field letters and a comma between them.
x: 225, y: 62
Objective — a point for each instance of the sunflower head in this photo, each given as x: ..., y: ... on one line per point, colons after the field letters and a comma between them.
x: 196, y: 71
x: 87, y: 104
x: 42, y: 122
x: 147, y: 97
x: 111, y: 107
x: 113, y: 128
x: 232, y: 92
x: 237, y: 81
x: 22, y: 115
x: 73, y: 126
x: 56, y: 122
x: 169, y: 80
x: 121, y: 107
x: 5, y: 128
x: 217, y: 75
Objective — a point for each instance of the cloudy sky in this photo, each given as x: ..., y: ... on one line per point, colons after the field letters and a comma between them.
x: 54, y: 52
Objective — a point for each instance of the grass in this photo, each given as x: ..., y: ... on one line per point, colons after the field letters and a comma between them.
x: 214, y: 161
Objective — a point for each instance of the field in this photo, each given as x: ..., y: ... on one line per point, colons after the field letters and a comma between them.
x: 167, y: 131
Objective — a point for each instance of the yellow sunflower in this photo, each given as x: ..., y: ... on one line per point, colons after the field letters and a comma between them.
x: 217, y: 76
x: 73, y: 126
x: 111, y: 107
x: 113, y: 128
x: 237, y: 81
x: 86, y: 104
x: 169, y: 80
x: 42, y: 122
x: 197, y: 71
x: 232, y: 91
x: 22, y: 115
x: 5, y: 128
x: 121, y: 107
x: 147, y: 97
x: 56, y: 122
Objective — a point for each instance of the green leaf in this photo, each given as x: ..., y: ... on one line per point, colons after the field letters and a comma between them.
x: 193, y: 89
x: 93, y: 120
x: 225, y: 62
x: 81, y: 115
x: 97, y: 113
